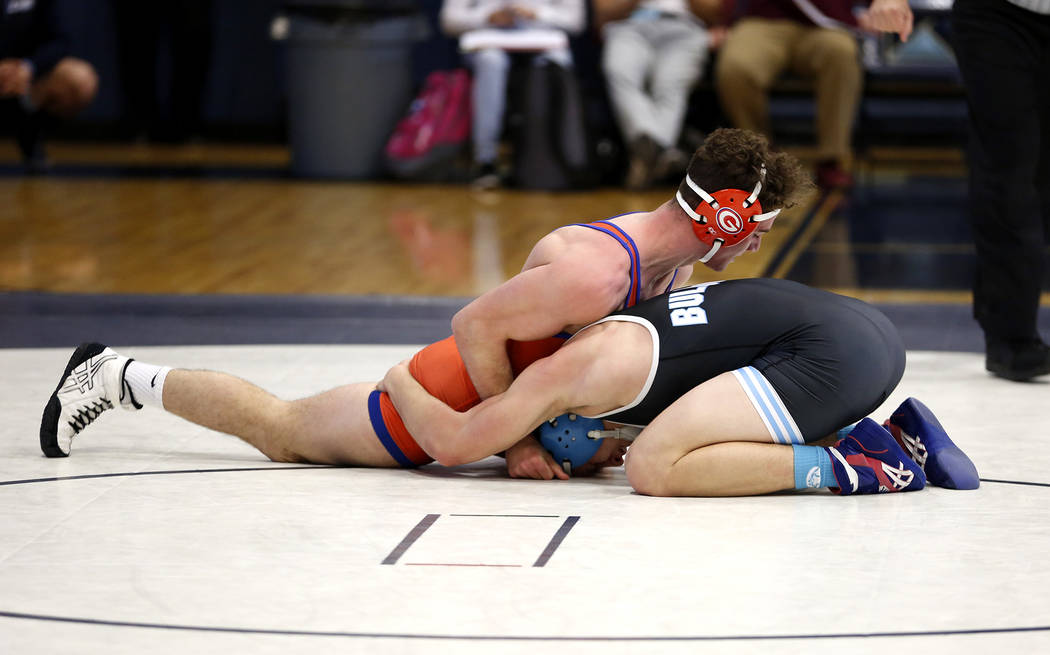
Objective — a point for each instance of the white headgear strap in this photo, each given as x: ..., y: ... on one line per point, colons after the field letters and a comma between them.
x: 625, y: 432
x: 710, y: 200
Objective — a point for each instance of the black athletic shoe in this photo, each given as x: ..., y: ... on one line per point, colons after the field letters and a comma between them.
x: 92, y: 383
x: 1017, y: 360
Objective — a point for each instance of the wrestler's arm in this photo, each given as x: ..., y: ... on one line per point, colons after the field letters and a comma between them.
x: 496, y: 424
x: 535, y: 304
x: 580, y: 377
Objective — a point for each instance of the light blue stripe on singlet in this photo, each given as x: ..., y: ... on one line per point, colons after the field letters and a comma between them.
x: 779, y: 411
x: 770, y: 407
x: 752, y: 391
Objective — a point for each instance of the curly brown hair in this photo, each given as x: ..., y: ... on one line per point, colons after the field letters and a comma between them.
x: 732, y: 158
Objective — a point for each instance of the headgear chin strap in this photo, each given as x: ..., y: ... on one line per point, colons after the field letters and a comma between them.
x: 726, y: 217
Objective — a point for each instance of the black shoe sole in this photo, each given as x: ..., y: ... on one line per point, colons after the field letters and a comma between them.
x: 1016, y: 375
x: 53, y: 410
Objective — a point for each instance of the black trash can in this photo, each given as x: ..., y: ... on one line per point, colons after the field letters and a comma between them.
x: 349, y: 71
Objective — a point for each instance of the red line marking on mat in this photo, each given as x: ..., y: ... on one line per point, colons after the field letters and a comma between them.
x: 440, y: 564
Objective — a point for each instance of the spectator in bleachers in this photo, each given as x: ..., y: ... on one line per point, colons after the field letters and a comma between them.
x: 38, y: 77
x: 184, y: 27
x: 1003, y: 50
x: 490, y: 62
x: 811, y: 38
x: 654, y: 53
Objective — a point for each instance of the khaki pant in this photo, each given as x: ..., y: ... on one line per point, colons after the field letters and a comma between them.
x: 651, y: 66
x: 757, y: 50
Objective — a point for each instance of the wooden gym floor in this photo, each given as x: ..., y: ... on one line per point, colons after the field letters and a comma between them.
x: 188, y: 234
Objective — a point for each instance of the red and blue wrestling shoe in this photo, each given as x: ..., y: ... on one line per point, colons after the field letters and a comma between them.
x: 919, y: 433
x: 869, y: 461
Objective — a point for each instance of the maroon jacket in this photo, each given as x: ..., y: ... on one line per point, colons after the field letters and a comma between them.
x: 840, y: 10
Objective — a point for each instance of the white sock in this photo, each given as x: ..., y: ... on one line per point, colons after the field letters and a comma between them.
x: 146, y: 382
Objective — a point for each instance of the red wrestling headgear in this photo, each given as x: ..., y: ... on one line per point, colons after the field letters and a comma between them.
x: 726, y: 217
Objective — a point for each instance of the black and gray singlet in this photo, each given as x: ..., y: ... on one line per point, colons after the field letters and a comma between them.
x: 810, y: 360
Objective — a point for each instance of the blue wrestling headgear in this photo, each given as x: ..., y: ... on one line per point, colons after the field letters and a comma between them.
x: 566, y: 438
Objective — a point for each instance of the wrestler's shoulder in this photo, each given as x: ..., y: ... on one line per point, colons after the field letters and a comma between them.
x: 573, y: 245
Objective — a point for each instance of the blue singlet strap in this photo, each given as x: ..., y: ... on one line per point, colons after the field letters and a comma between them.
x: 628, y: 244
x: 375, y: 414
x: 670, y: 285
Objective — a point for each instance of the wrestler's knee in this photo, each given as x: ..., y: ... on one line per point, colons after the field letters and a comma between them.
x: 647, y: 472
x: 278, y: 449
x: 282, y: 454
x: 281, y: 433
x: 287, y: 457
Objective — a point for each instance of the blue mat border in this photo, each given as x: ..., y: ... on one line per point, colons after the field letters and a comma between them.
x: 33, y: 319
x: 37, y: 319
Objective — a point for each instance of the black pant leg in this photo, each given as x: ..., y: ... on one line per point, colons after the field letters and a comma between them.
x: 191, y: 44
x: 137, y: 35
x: 1042, y: 178
x: 1000, y: 49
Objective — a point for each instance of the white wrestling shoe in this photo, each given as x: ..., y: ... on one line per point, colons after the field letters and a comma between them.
x: 92, y: 383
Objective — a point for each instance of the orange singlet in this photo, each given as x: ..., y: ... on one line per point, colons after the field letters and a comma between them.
x: 441, y: 371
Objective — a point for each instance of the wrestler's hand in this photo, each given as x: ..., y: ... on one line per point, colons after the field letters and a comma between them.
x: 528, y: 459
x: 392, y: 376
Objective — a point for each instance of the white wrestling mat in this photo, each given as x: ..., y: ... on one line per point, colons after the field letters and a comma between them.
x: 160, y: 537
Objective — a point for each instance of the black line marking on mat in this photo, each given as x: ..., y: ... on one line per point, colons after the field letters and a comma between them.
x: 93, y: 476
x: 513, y: 516
x: 556, y: 540
x: 410, y: 538
x: 1027, y: 484
x: 394, y: 635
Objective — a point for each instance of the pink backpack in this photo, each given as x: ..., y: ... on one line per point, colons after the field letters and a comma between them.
x: 427, y: 141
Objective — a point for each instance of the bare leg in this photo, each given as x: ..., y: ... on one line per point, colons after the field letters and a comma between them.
x: 710, y: 442
x: 732, y: 469
x: 330, y: 428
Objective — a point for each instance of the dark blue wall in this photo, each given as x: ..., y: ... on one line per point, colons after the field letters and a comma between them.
x: 244, y: 86
x: 245, y: 90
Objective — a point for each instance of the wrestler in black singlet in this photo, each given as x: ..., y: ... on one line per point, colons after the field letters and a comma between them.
x: 832, y: 360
